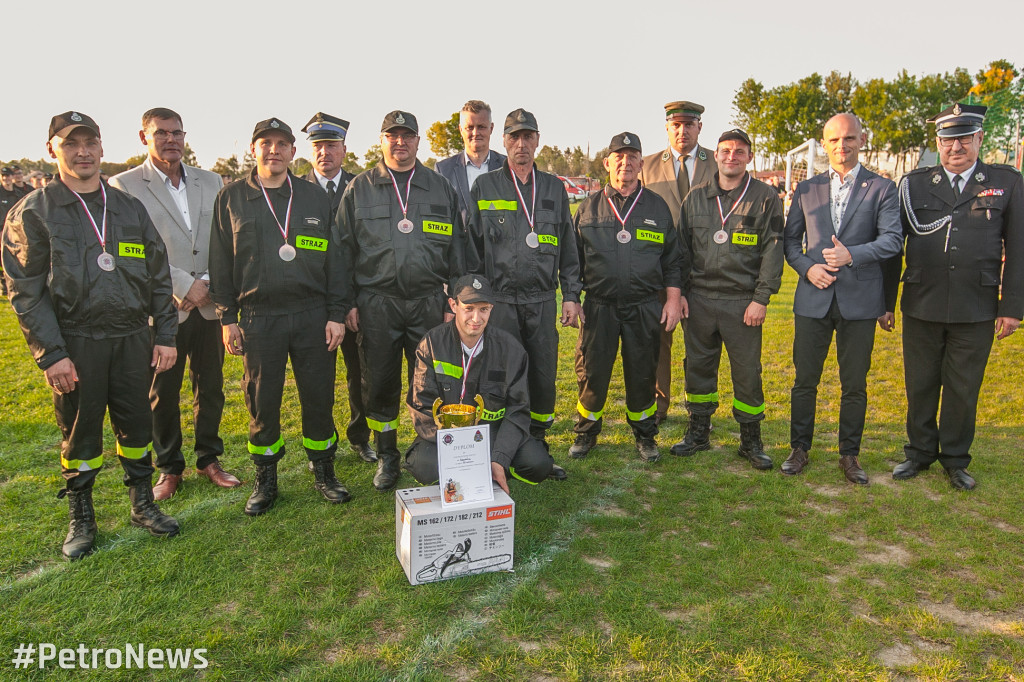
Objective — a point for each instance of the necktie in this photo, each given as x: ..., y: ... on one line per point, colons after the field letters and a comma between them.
x: 683, y: 179
x: 956, y: 186
x: 330, y: 190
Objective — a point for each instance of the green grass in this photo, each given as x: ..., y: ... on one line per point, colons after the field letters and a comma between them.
x: 696, y: 568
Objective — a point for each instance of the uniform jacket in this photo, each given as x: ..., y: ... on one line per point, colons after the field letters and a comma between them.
x: 248, y: 277
x: 188, y: 246
x: 650, y: 261
x: 453, y: 169
x: 7, y: 201
x: 659, y: 174
x: 379, y: 257
x: 498, y: 229
x: 956, y: 273
x: 748, y: 265
x: 58, y: 289
x: 870, y: 230
x: 346, y: 178
x: 497, y: 373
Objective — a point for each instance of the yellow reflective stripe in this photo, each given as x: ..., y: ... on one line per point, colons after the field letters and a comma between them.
x: 492, y: 415
x: 587, y: 414
x: 702, y: 397
x: 640, y: 416
x: 319, y: 444
x: 650, y: 236
x: 749, y: 409
x: 266, y: 450
x: 437, y: 228
x: 132, y: 453
x: 82, y: 464
x: 311, y: 243
x: 547, y: 239
x: 131, y: 250
x: 537, y: 417
x: 496, y: 205
x: 382, y: 426
x: 516, y: 476
x: 744, y: 239
x: 447, y: 369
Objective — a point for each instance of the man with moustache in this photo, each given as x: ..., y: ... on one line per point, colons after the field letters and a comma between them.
x: 281, y: 291
x: 477, y: 158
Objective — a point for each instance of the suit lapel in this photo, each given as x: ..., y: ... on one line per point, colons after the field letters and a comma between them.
x: 664, y: 171
x: 974, y: 185
x: 159, y: 189
x: 942, y: 190
x: 462, y: 180
x: 703, y: 169
x: 860, y: 187
x: 194, y: 195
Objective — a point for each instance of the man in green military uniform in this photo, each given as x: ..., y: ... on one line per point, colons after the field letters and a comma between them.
x: 960, y: 219
x: 732, y: 226
x: 629, y: 254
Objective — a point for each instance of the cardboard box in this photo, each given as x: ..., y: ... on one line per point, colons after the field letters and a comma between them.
x: 434, y: 544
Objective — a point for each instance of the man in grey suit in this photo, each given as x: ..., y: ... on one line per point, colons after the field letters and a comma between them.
x: 477, y: 158
x: 179, y: 199
x: 850, y: 219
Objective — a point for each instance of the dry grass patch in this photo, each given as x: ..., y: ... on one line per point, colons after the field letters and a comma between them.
x: 1011, y: 624
x: 599, y: 564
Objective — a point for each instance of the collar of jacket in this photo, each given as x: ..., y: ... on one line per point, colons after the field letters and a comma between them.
x: 381, y: 176
x: 714, y: 190
x: 253, y: 189
x: 507, y: 172
x: 61, y: 194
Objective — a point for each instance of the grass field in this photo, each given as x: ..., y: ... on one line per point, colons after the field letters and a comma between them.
x: 696, y: 568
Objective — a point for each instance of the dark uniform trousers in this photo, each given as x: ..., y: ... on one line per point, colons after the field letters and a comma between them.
x: 663, y: 375
x: 533, y: 326
x: 855, y: 339
x: 389, y: 327
x: 357, y: 431
x: 199, y: 344
x: 712, y: 322
x: 949, y: 362
x: 638, y: 325
x: 114, y: 373
x: 267, y: 343
x: 531, y: 463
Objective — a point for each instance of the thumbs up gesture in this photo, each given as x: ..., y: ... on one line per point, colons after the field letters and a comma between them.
x: 838, y: 255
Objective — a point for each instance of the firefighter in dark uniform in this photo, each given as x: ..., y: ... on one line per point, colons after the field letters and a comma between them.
x: 524, y: 243
x: 327, y: 135
x: 280, y: 289
x: 8, y: 198
x: 732, y: 227
x: 959, y: 218
x: 461, y: 359
x: 402, y: 241
x: 86, y: 270
x: 629, y: 254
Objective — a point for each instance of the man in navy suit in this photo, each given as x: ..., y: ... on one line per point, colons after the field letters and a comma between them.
x: 464, y: 168
x: 850, y: 219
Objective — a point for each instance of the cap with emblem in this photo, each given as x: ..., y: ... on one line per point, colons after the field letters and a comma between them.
x: 624, y: 141
x: 683, y: 111
x: 959, y: 119
x: 735, y: 134
x: 62, y: 125
x: 325, y: 127
x: 272, y: 124
x: 400, y: 119
x: 520, y: 119
x: 473, y: 289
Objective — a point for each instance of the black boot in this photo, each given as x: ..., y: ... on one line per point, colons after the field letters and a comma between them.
x: 697, y: 438
x: 327, y: 483
x: 751, y: 446
x: 264, y: 490
x: 389, y: 465
x: 82, y: 527
x: 145, y: 513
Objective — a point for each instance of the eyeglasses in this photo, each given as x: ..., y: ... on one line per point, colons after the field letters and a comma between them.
x: 964, y: 140
x: 162, y: 135
x: 404, y: 137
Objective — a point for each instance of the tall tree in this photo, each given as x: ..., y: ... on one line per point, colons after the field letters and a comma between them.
x: 351, y: 163
x: 444, y: 137
x: 228, y: 166
x: 373, y: 156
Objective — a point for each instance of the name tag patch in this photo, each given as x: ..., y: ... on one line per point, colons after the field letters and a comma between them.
x: 744, y: 239
x: 437, y: 228
x: 648, y: 221
x: 314, y: 222
x: 547, y: 239
x: 131, y: 250
x: 650, y: 236
x: 311, y: 243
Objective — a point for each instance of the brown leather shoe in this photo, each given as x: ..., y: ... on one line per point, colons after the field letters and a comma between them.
x: 215, y: 472
x: 166, y: 486
x: 851, y: 467
x: 795, y: 463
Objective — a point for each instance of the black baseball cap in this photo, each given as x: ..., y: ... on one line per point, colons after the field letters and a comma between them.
x: 520, y: 119
x: 6, y: 170
x: 270, y: 124
x: 473, y: 289
x: 400, y: 119
x: 735, y: 134
x: 64, y: 124
x: 625, y: 141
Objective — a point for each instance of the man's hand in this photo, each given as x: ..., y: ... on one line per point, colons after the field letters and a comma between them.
x: 820, y: 275
x: 335, y: 334
x: 887, y: 322
x: 670, y: 311
x: 498, y: 475
x: 1006, y: 326
x: 572, y: 315
x: 198, y: 295
x: 754, y: 315
x: 838, y: 255
x: 352, y: 320
x: 164, y: 358
x: 684, y: 308
x: 62, y: 376
x: 232, y: 337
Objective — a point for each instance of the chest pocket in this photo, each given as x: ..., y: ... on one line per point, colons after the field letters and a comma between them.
x: 547, y: 232
x: 649, y: 239
x: 130, y: 250
x: 987, y: 211
x: 376, y: 224
x: 436, y: 226
x: 494, y: 395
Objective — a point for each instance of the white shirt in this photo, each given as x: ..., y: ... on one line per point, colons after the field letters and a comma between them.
x: 178, y: 193
x: 472, y: 172
x: 323, y: 181
x: 966, y: 175
x: 689, y: 161
x: 839, y: 193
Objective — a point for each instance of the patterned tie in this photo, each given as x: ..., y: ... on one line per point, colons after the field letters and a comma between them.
x: 330, y: 190
x: 683, y: 178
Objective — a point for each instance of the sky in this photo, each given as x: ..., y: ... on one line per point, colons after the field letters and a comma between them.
x: 587, y: 70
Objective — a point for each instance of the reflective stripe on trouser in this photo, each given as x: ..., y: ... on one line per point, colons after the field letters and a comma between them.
x: 533, y: 325
x: 597, y: 346
x: 531, y: 463
x: 712, y: 323
x: 389, y: 331
x: 115, y: 374
x: 268, y: 342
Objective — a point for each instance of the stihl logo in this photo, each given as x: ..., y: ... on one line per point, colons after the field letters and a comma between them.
x: 499, y: 512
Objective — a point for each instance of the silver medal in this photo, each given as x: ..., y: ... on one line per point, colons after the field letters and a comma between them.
x: 623, y: 236
x: 105, y: 261
x: 532, y: 240
x: 286, y: 252
x: 405, y: 226
x: 721, y: 237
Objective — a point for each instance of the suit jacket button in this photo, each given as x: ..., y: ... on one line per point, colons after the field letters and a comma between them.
x: 193, y: 274
x: 952, y: 248
x: 952, y: 267
x: 194, y: 252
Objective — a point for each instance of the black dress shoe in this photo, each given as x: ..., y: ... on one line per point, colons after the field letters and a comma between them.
x: 557, y: 473
x: 364, y: 451
x: 908, y: 468
x: 960, y: 479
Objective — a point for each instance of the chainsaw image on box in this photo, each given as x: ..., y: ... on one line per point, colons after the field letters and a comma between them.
x: 457, y: 562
